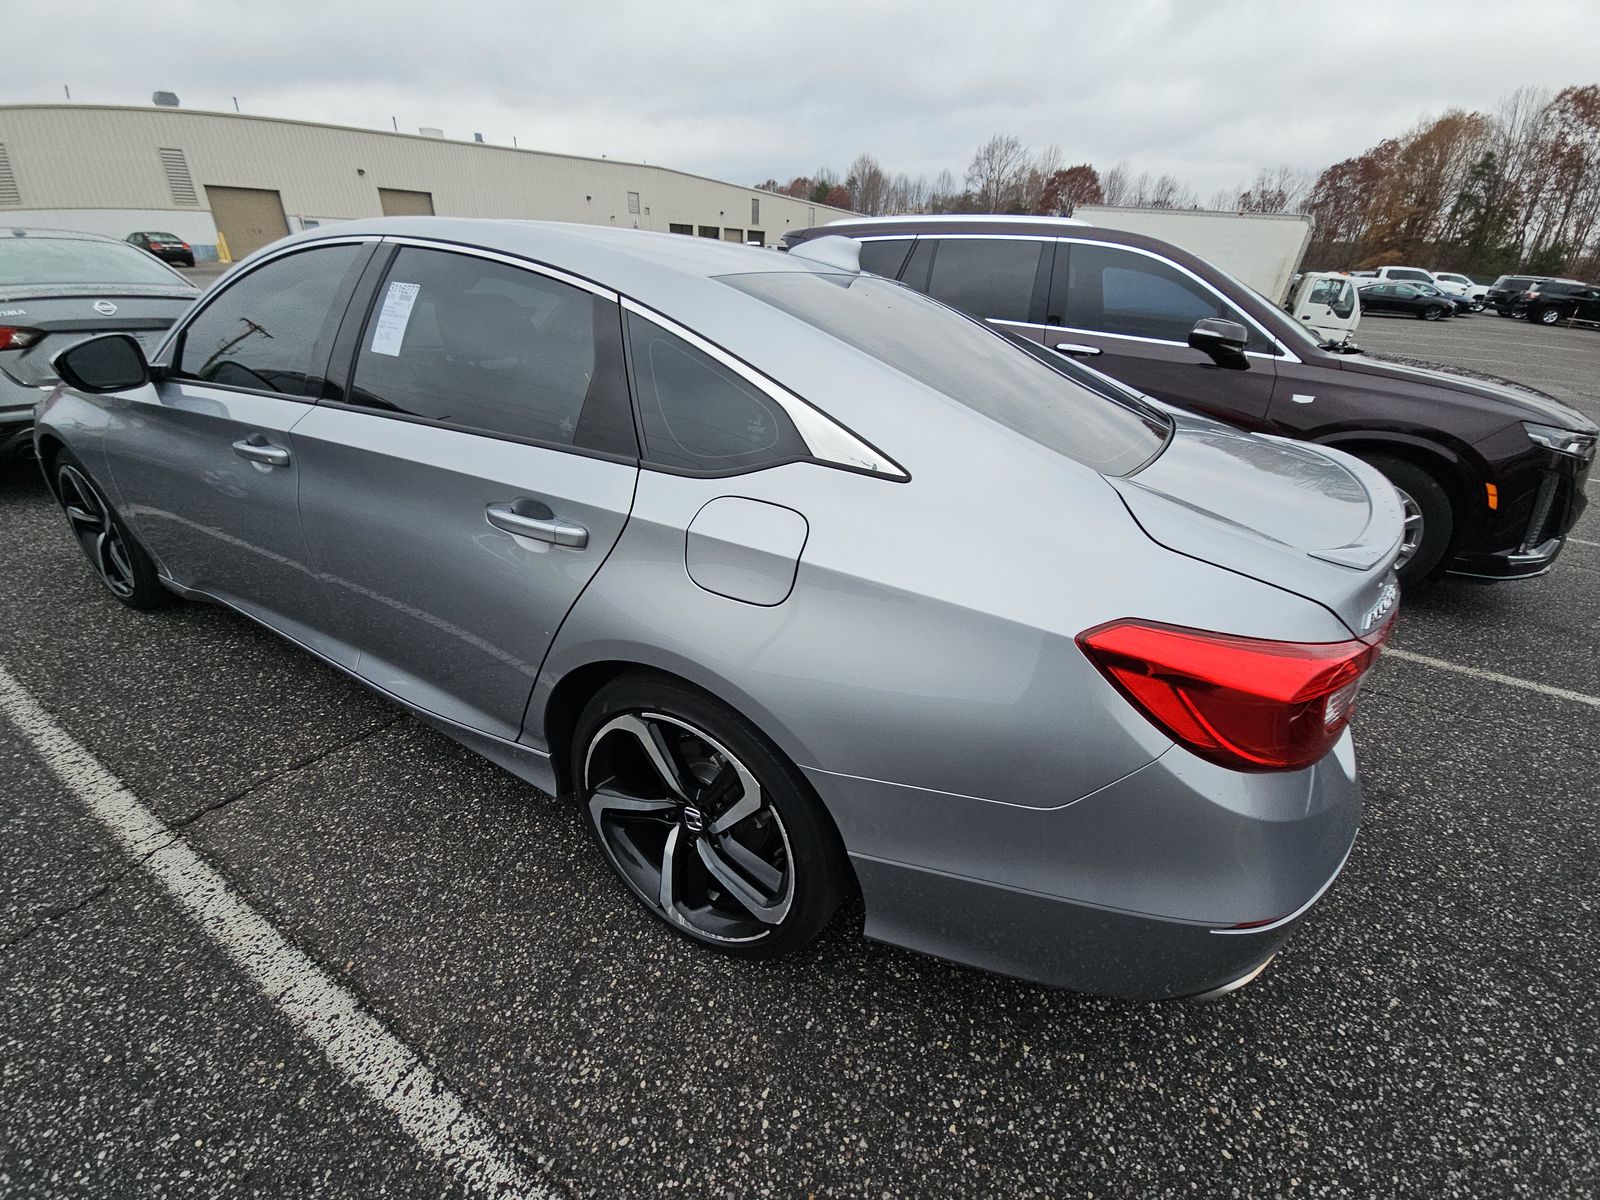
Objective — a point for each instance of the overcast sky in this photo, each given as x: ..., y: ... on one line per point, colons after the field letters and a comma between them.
x: 1209, y: 90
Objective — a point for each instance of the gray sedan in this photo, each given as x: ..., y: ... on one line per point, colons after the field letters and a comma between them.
x: 796, y: 581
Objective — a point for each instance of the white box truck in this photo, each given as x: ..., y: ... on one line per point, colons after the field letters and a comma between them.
x: 1261, y: 250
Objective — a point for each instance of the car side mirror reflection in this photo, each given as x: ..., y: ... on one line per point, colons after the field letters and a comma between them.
x: 113, y: 362
x: 1221, y: 340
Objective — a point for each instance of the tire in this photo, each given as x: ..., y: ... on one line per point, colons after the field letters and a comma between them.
x: 1547, y: 316
x: 116, y: 556
x: 1432, y: 313
x: 755, y: 886
x: 1430, y: 520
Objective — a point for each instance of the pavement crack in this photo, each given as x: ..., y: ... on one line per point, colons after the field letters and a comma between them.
x: 293, y: 768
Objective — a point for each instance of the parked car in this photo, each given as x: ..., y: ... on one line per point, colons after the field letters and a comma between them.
x: 168, y: 247
x: 1114, y: 758
x: 57, y: 287
x: 1392, y: 275
x: 1492, y: 476
x: 1406, y: 299
x: 1507, y: 288
x: 1461, y: 285
x: 1556, y: 300
x: 1460, y: 305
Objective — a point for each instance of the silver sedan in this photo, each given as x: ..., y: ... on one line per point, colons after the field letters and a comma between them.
x: 796, y: 581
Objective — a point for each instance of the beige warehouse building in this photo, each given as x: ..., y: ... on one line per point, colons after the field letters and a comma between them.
x: 115, y: 170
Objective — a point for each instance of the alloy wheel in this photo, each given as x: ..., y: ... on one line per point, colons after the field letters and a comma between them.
x: 1549, y: 316
x: 96, y: 531
x: 1412, y: 537
x: 689, y: 828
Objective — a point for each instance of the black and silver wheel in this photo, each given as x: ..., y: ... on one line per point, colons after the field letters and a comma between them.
x: 705, y: 821
x: 1432, y: 313
x: 119, y: 561
x: 1429, y: 519
x: 1548, y: 316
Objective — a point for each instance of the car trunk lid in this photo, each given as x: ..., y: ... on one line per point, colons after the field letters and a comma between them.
x: 1308, y: 519
x: 86, y: 312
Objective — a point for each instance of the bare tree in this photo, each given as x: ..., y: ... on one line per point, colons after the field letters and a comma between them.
x: 997, y: 173
x: 1116, y: 185
x: 868, y: 186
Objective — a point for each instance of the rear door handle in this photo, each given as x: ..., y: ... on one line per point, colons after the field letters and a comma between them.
x: 552, y: 529
x: 1078, y: 349
x: 257, y: 449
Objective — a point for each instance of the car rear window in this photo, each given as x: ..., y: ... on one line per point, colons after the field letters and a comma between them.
x: 972, y: 364
x: 42, y: 260
x: 164, y: 237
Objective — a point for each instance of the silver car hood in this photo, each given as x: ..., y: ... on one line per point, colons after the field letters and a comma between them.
x: 1309, y: 519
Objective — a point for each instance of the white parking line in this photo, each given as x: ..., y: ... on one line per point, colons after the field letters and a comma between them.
x: 1527, y: 685
x: 1580, y: 541
x: 357, y: 1045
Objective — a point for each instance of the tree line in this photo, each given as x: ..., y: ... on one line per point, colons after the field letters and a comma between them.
x: 1513, y: 189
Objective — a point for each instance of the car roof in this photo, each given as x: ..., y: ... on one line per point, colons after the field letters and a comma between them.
x: 27, y: 231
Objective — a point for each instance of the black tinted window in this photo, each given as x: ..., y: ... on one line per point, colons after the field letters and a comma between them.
x: 1021, y: 389
x: 885, y: 257
x: 699, y: 415
x: 1112, y: 290
x: 484, y: 345
x: 267, y: 331
x: 986, y: 277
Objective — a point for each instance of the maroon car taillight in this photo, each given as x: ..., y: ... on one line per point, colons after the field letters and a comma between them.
x: 1244, y: 703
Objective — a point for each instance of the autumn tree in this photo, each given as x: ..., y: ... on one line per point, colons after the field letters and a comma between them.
x: 1065, y: 189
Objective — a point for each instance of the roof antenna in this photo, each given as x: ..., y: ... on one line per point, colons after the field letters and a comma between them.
x: 67, y: 90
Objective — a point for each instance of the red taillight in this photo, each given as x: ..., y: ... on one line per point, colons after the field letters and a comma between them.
x: 185, y: 245
x: 1246, y: 703
x: 14, y: 337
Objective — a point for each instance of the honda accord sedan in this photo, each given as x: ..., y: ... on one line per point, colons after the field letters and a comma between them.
x: 795, y: 580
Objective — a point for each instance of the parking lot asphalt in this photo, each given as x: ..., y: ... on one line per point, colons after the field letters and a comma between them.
x: 1434, y: 1030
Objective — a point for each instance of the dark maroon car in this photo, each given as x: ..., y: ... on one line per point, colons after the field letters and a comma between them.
x: 1491, y: 475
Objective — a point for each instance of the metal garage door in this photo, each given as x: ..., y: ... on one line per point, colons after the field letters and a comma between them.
x: 399, y: 203
x: 248, y: 217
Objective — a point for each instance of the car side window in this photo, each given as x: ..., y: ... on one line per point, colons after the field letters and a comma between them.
x: 1109, y: 289
x: 987, y: 277
x: 885, y: 256
x: 1405, y: 291
x: 270, y: 330
x: 486, y: 346
x: 699, y: 415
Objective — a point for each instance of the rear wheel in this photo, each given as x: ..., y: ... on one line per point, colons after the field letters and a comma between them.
x: 1429, y: 519
x: 711, y: 828
x: 127, y: 572
x: 1547, y: 316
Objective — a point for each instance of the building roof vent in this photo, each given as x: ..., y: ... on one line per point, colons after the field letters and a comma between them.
x: 430, y: 131
x: 9, y: 193
x: 164, y: 99
x: 179, y: 181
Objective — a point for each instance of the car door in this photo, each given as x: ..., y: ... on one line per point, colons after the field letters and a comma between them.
x: 999, y: 279
x: 465, y: 483
x: 1128, y: 312
x: 1379, y: 298
x: 204, y: 460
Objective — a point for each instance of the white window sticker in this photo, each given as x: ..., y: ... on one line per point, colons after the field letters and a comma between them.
x: 390, y: 328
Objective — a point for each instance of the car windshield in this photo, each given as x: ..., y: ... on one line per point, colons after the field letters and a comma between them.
x: 971, y: 364
x: 45, y: 260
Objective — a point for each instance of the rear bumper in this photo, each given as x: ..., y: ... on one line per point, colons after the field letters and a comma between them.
x: 1137, y: 891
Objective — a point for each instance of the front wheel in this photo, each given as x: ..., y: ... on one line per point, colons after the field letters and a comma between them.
x: 122, y: 565
x: 711, y: 828
x: 1429, y: 519
x: 1432, y: 313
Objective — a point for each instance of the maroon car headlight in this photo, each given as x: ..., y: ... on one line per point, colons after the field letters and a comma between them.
x: 1563, y: 441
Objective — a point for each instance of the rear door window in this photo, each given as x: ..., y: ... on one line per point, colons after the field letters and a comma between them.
x: 885, y: 256
x: 272, y: 329
x: 1110, y: 289
x: 489, y: 347
x: 988, y: 277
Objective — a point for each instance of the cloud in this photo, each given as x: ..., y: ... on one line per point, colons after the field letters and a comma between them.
x: 1209, y: 92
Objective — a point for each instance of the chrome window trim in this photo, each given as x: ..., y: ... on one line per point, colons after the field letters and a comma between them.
x: 1128, y: 337
x: 824, y: 437
x: 526, y: 264
x: 1287, y: 354
x: 233, y: 277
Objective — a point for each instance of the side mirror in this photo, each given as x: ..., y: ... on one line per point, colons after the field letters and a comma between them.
x: 113, y: 362
x: 1222, y: 341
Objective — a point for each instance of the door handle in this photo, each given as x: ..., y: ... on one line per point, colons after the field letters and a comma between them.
x: 1078, y: 349
x: 257, y: 449
x: 552, y: 529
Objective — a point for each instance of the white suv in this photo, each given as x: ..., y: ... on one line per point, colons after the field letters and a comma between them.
x: 1463, y: 286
